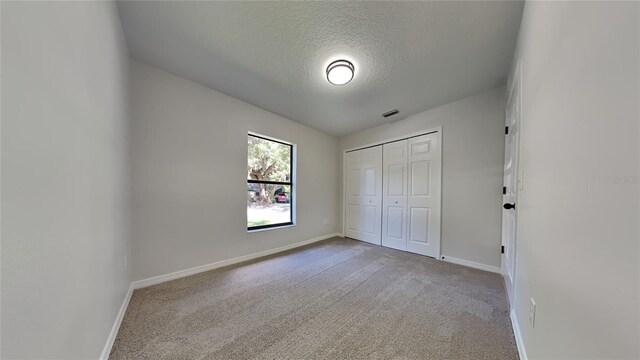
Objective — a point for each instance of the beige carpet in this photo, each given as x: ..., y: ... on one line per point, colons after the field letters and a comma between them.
x: 336, y: 299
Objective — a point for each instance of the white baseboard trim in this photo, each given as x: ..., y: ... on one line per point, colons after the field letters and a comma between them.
x: 182, y: 273
x: 202, y: 268
x: 517, y: 335
x: 471, y: 264
x: 116, y: 325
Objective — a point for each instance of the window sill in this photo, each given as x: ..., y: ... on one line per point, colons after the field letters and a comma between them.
x: 271, y: 228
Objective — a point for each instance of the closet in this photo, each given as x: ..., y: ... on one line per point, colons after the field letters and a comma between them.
x: 392, y: 194
x: 364, y: 194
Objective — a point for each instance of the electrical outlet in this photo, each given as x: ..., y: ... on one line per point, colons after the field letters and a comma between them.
x: 326, y: 222
x: 532, y: 312
x: 124, y: 262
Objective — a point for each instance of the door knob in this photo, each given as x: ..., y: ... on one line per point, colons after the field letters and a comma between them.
x: 509, y: 206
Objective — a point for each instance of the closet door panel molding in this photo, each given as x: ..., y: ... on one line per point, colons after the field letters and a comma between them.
x: 394, y: 195
x: 423, y: 202
x: 363, y: 194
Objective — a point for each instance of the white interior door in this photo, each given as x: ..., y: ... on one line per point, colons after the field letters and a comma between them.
x: 511, y: 185
x: 364, y: 194
x: 424, y: 164
x: 394, y: 195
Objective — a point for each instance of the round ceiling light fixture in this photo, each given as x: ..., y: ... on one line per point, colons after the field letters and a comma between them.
x: 340, y: 72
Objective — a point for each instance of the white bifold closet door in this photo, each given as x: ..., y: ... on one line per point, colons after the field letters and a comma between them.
x: 394, y: 195
x: 411, y: 195
x: 364, y: 194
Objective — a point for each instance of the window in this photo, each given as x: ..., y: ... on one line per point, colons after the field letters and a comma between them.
x: 270, y: 186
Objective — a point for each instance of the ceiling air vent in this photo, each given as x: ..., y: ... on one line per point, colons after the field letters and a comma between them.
x: 390, y: 113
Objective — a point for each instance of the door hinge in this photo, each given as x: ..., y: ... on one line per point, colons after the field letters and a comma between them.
x: 506, y: 130
x: 504, y: 190
x: 502, y: 249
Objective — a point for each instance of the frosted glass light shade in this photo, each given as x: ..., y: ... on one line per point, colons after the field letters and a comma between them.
x: 340, y: 72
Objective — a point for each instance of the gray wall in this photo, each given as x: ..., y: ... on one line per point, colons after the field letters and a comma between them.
x: 65, y: 177
x: 579, y: 212
x: 472, y: 168
x: 189, y: 170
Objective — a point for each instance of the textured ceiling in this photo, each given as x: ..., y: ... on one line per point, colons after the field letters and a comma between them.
x: 412, y: 56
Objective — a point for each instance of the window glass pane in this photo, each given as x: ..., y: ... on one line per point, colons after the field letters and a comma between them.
x: 268, y: 204
x: 268, y: 160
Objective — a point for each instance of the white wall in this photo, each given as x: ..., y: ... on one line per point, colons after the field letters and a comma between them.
x: 472, y: 168
x: 579, y: 211
x: 189, y: 171
x: 65, y: 177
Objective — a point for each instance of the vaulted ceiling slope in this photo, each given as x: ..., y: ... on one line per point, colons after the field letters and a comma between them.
x: 412, y: 56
